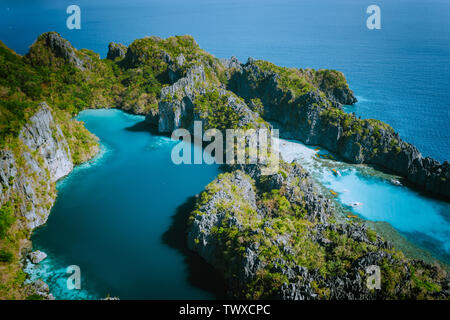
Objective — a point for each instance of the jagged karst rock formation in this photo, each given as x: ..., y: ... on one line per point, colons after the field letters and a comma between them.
x: 275, y: 237
x: 180, y: 107
x: 39, y: 290
x: 60, y: 48
x: 116, y: 50
x: 176, y: 107
x: 310, y: 109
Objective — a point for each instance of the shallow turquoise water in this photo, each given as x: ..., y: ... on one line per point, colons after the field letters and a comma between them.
x: 422, y: 220
x: 111, y: 215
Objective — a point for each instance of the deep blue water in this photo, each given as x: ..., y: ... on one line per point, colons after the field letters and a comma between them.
x: 401, y: 73
x: 112, y: 216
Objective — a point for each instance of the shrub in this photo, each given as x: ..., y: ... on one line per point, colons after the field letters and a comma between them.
x: 7, y: 218
x: 6, y: 256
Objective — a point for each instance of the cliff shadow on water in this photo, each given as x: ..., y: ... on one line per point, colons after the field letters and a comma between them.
x: 144, y: 126
x: 201, y: 274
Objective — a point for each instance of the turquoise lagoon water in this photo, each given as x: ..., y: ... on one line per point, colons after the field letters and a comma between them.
x: 114, y: 217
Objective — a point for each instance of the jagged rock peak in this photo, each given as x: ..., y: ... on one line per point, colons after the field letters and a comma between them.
x: 59, y: 48
x: 116, y: 50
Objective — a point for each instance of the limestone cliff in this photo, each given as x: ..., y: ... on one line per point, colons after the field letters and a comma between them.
x: 193, y: 98
x: 275, y: 237
x: 43, y: 158
x: 29, y: 167
x: 308, y: 106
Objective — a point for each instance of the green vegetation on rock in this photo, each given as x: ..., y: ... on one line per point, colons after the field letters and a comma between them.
x: 266, y: 242
x: 216, y: 109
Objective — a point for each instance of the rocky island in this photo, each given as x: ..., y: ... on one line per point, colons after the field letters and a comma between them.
x: 270, y: 236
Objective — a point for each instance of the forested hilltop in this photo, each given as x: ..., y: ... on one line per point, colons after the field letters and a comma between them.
x: 174, y: 82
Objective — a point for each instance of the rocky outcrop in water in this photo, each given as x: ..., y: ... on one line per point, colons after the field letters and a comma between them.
x: 37, y: 256
x: 431, y: 174
x: 275, y: 237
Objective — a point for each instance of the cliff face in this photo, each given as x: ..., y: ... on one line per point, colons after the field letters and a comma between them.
x: 44, y: 135
x: 58, y: 48
x: 29, y: 167
x: 275, y: 237
x: 194, y: 97
x: 30, y: 171
x: 176, y: 107
x: 315, y: 116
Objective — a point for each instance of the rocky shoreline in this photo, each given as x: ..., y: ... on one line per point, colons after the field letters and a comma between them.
x: 29, y: 173
x: 257, y: 231
x: 317, y: 118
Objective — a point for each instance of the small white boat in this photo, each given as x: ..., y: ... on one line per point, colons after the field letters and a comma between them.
x: 356, y: 204
x: 396, y: 182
